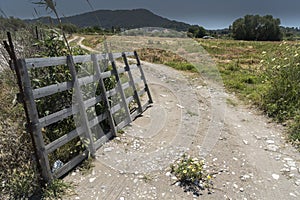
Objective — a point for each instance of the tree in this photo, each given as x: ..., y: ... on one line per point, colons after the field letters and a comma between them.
x: 255, y: 27
x: 196, y: 31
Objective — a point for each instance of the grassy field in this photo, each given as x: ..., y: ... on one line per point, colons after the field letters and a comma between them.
x: 239, y: 63
x: 266, y: 74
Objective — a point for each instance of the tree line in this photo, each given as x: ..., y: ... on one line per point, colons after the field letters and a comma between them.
x: 255, y: 27
x: 250, y: 27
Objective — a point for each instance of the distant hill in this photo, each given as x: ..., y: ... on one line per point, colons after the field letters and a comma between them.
x: 127, y: 19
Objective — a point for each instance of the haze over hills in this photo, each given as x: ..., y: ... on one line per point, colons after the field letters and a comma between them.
x: 127, y: 19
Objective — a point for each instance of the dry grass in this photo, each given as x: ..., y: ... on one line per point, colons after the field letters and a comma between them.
x: 18, y: 174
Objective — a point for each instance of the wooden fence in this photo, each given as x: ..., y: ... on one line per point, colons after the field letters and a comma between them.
x: 129, y: 97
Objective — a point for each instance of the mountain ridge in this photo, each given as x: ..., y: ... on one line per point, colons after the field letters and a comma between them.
x: 127, y: 19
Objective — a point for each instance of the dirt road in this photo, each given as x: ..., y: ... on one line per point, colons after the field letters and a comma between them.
x: 245, y: 151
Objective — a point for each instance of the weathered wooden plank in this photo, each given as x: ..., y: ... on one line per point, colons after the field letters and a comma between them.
x: 129, y: 99
x: 88, y: 79
x: 143, y: 76
x: 67, y: 112
x: 82, y: 110
x: 114, y: 91
x: 34, y: 125
x: 116, y: 55
x: 132, y: 84
x: 51, y: 89
x: 70, y: 165
x: 82, y: 59
x: 103, y: 139
x: 97, y: 120
x: 115, y: 108
x: 33, y: 63
x: 60, y: 87
x: 63, y: 140
x: 92, y: 101
x: 104, y: 97
x: 125, y: 85
x: 57, y: 116
x: 122, y: 124
x: 121, y: 91
x: 101, y: 56
x: 129, y: 53
x: 106, y: 74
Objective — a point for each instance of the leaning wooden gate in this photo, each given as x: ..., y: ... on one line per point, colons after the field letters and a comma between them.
x: 120, y: 102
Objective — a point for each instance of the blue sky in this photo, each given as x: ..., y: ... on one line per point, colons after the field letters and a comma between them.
x: 212, y: 14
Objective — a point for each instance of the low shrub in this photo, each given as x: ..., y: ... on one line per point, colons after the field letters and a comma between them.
x: 191, y: 174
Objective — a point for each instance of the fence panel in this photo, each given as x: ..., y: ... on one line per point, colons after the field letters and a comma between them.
x: 119, y: 104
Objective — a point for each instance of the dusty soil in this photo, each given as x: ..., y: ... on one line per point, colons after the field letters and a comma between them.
x: 246, y: 152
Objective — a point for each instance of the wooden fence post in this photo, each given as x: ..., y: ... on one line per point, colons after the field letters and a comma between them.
x: 119, y: 85
x: 103, y: 95
x: 82, y: 109
x: 33, y: 125
x: 136, y: 96
x: 143, y: 76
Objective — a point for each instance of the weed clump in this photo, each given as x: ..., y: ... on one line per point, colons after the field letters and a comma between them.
x: 190, y: 173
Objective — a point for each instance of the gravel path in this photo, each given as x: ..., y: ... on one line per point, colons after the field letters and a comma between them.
x: 246, y: 152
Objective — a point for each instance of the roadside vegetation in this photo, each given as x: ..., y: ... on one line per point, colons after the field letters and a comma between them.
x: 165, y: 57
x: 19, y: 172
x: 265, y: 74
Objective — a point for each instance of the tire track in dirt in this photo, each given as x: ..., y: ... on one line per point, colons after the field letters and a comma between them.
x: 165, y: 131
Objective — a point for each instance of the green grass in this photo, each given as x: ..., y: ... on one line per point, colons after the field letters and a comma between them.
x: 239, y: 63
x: 266, y: 74
x: 183, y: 66
x: 92, y: 40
